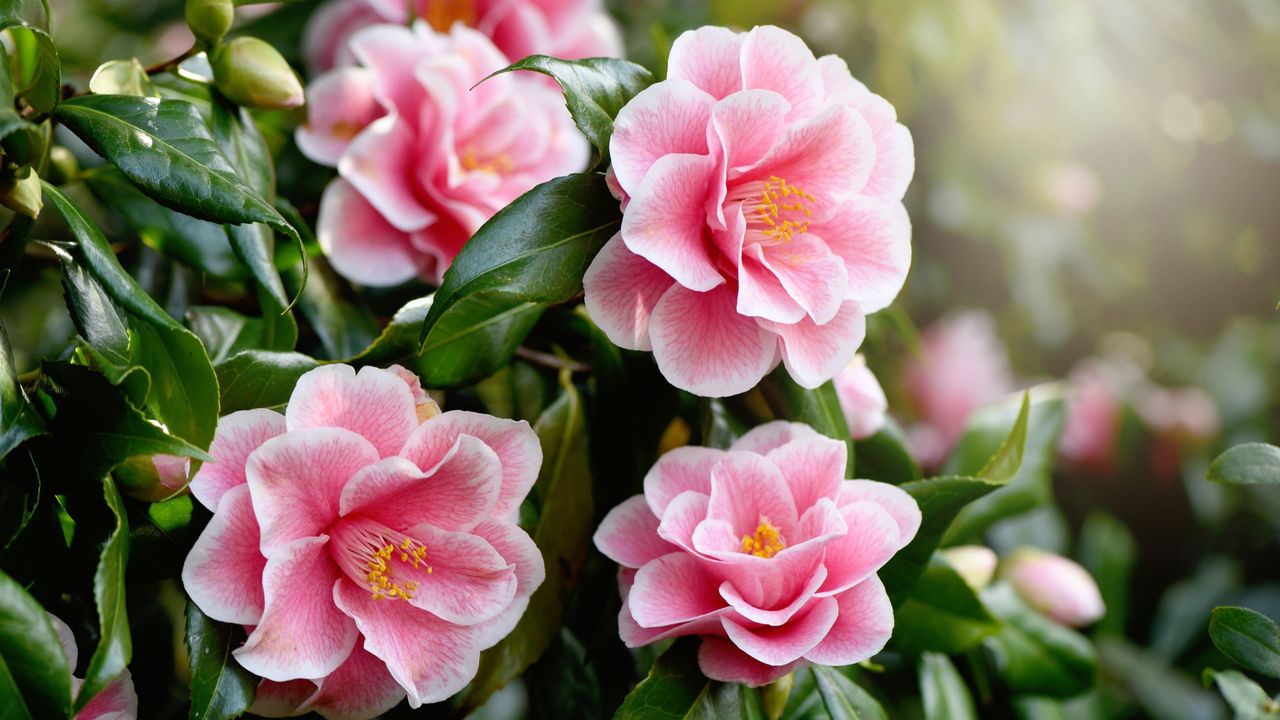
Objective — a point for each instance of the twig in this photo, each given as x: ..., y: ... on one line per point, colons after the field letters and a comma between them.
x: 551, y: 361
x: 168, y: 65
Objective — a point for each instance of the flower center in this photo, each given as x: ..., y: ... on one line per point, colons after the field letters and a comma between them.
x: 767, y: 541
x: 382, y: 560
x: 442, y: 14
x: 781, y: 210
x: 473, y: 161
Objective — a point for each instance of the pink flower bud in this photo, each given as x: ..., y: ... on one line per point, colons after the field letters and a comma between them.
x: 861, y: 398
x: 153, y: 477
x: 1054, y: 585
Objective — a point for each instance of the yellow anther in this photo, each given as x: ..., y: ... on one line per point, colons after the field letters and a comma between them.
x: 766, y: 542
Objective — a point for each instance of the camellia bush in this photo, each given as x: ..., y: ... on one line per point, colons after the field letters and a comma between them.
x: 486, y: 373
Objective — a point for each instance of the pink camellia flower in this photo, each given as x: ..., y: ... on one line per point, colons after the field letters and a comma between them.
x: 765, y: 551
x: 862, y: 399
x: 1054, y: 585
x: 117, y: 701
x: 763, y: 215
x: 372, y: 555
x: 423, y: 157
x: 569, y: 29
x: 1095, y: 410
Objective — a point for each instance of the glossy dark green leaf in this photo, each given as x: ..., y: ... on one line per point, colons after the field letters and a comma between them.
x: 1247, y: 637
x: 224, y: 331
x: 30, y: 648
x: 115, y: 645
x: 843, y: 699
x: 1035, y: 655
x: 946, y: 697
x: 260, y: 378
x: 562, y: 534
x: 345, y: 328
x: 884, y: 456
x: 29, y: 12
x: 36, y: 69
x: 674, y: 688
x: 818, y: 408
x: 18, y: 421
x: 12, y: 706
x: 533, y: 253
x: 942, y: 614
x: 595, y: 89
x: 1246, y: 698
x: 20, y: 138
x: 220, y: 688
x: 1248, y: 464
x: 399, y: 339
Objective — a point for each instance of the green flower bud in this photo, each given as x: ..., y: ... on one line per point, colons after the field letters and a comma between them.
x: 775, y: 695
x: 22, y: 194
x: 63, y: 166
x: 251, y: 73
x: 209, y: 20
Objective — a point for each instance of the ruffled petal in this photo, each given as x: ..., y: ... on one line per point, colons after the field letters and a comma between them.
x: 238, y: 435
x: 786, y: 643
x: 622, y: 289
x: 673, y: 589
x: 862, y: 627
x: 709, y: 58
x: 360, y: 244
x: 223, y: 570
x: 815, y: 353
x: 704, y: 346
x: 678, y: 470
x: 666, y: 118
x: 361, y: 688
x: 813, y: 468
x: 628, y: 535
x: 374, y: 403
x: 666, y: 220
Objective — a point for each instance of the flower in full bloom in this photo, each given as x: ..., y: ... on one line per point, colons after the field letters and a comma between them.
x: 424, y: 155
x: 117, y: 701
x: 764, y: 551
x: 1054, y: 585
x: 763, y: 216
x: 373, y: 555
x: 862, y: 399
x: 568, y: 29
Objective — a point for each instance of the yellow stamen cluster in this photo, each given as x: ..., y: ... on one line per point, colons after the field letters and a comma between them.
x: 784, y: 209
x: 442, y: 14
x: 383, y: 583
x: 767, y: 541
x: 472, y: 161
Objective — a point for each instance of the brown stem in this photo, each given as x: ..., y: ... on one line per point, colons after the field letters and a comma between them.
x: 167, y: 65
x: 552, y: 361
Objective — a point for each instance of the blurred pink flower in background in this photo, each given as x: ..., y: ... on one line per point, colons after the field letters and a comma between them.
x: 765, y: 551
x: 862, y: 399
x: 568, y: 29
x: 117, y: 701
x: 1070, y: 188
x: 1054, y: 585
x: 763, y: 218
x: 1095, y: 409
x: 1186, y: 414
x: 423, y: 158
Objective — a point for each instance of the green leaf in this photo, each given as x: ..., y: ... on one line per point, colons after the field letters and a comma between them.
x: 260, y: 378
x: 28, y: 12
x: 12, y: 707
x: 1248, y: 638
x: 1035, y: 655
x: 30, y: 648
x: 121, y: 77
x: 563, y: 534
x: 18, y: 421
x: 673, y: 690
x: 226, y: 332
x: 595, y: 89
x: 1108, y: 551
x: 843, y: 698
x: 532, y: 254
x: 1179, y: 617
x: 942, y: 614
x: 399, y: 339
x: 220, y: 688
x: 818, y: 408
x: 345, y: 328
x: 1247, y: 699
x: 1248, y: 464
x: 36, y: 69
x: 884, y: 456
x: 945, y: 695
x: 20, y: 138
x: 115, y: 646
x: 1160, y: 690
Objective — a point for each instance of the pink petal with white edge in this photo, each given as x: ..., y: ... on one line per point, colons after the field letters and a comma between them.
x: 681, y: 519
x: 666, y: 118
x: 748, y: 490
x: 223, y: 570
x: 430, y: 658
x: 391, y: 53
x: 673, y: 589
x: 743, y: 127
x: 895, y: 151
x: 709, y: 58
x: 339, y: 105
x: 813, y: 468
x: 359, y: 689
x: 469, y: 582
x: 622, y: 289
x: 815, y: 353
x: 829, y: 156
x: 779, y: 616
x: 871, y: 541
x: 518, y: 549
x: 874, y: 239
x: 892, y: 499
x: 702, y: 344
x: 117, y: 701
x: 811, y: 275
x: 762, y: 439
x: 678, y: 470
x: 455, y: 495
x: 514, y: 442
x: 295, y: 481
x: 786, y: 643
x: 375, y: 403
x: 774, y: 59
x: 760, y: 293
x: 66, y: 639
x: 380, y: 163
x: 628, y: 535
x: 301, y: 634
x: 666, y: 220
x: 721, y: 660
x: 633, y: 636
x: 238, y: 435
x: 360, y: 244
x: 282, y: 699
x: 862, y: 627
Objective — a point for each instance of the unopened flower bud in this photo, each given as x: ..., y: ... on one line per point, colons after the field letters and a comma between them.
x: 253, y: 74
x: 22, y: 194
x: 775, y: 695
x: 63, y: 166
x: 152, y: 478
x: 210, y: 20
x: 1055, y: 586
x: 975, y: 563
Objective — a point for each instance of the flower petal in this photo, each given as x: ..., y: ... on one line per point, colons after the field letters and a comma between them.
x: 719, y: 659
x: 709, y: 58
x: 380, y: 163
x: 678, y: 470
x: 281, y: 699
x: 666, y: 219
x: 518, y: 549
x: 238, y: 435
x: 892, y: 499
x: 681, y: 518
x: 702, y: 344
x: 666, y: 118
x: 764, y: 438
x: 339, y: 105
x: 863, y: 626
x: 117, y: 701
x: 622, y: 289
x: 673, y: 589
x: 628, y: 535
x: 815, y: 353
x: 469, y: 581
x: 813, y: 468
x: 786, y: 643
x: 811, y: 275
x: 375, y: 403
x: 747, y: 490
x: 874, y: 239
x: 223, y: 570
x: 779, y: 616
x: 360, y: 688
x: 360, y: 244
x: 829, y: 156
x: 774, y: 59
x: 872, y: 539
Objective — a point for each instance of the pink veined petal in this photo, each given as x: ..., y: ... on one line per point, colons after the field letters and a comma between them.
x: 760, y: 292
x: 872, y: 540
x: 895, y: 151
x: 223, y: 570
x: 295, y: 481
x: 681, y: 518
x: 702, y: 344
x: 748, y: 490
x: 117, y: 701
x: 874, y: 239
x: 455, y: 495
x: 622, y: 289
x: 666, y: 220
x: 66, y: 639
x: 813, y: 468
x: 862, y: 399
x: 815, y: 353
x: 391, y: 53
x: 892, y: 499
x: 709, y: 58
x: 360, y: 688
x: 764, y: 438
x: 339, y: 105
x: 375, y: 403
x: 774, y: 59
x: 430, y: 658
x: 789, y: 642
x: 513, y: 441
x: 678, y: 470
x: 518, y: 549
x: 811, y: 274
x: 281, y: 699
x: 628, y: 535
x: 380, y: 163
x: 238, y: 435
x: 469, y: 582
x: 721, y: 660
x: 779, y: 616
x: 663, y: 119
x: 324, y: 39
x: 743, y: 127
x: 673, y: 589
x: 360, y: 244
x: 632, y: 635
x: 713, y: 537
x: 862, y: 627
x: 301, y: 634
x: 829, y: 156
